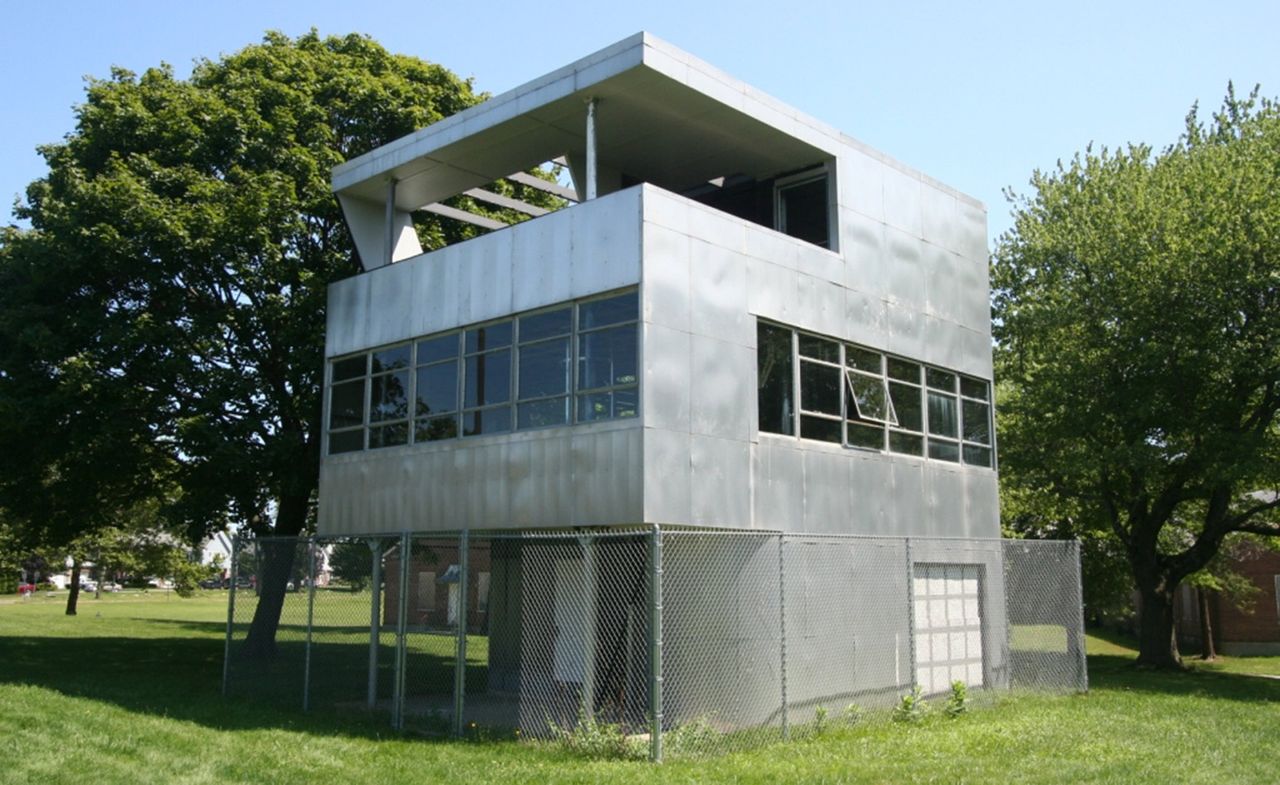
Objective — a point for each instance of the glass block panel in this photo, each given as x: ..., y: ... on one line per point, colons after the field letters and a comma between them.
x: 346, y: 441
x: 539, y: 414
x: 488, y: 379
x: 346, y: 404
x: 391, y: 359
x: 491, y: 336
x: 389, y: 396
x: 350, y: 368
x: 437, y: 390
x: 546, y: 325
x: 435, y: 349
x: 544, y: 368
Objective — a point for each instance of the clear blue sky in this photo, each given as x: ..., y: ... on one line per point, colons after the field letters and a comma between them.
x: 976, y: 95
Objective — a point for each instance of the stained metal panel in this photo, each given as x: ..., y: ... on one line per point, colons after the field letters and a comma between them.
x: 347, y: 302
x: 869, y: 478
x: 772, y: 291
x: 827, y: 499
x: 861, y: 184
x: 902, y: 194
x: 668, y: 476
x: 865, y: 318
x: 606, y: 244
x: 667, y: 372
x: 716, y: 388
x: 718, y: 294
x: 906, y: 509
x: 939, y: 217
x: 906, y: 275
x: 778, y: 493
x: 820, y: 305
x: 721, y: 468
x: 942, y: 281
x: 664, y: 298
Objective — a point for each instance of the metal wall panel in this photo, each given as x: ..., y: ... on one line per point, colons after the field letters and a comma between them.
x: 939, y: 217
x: 665, y: 389
x: 906, y: 272
x: 718, y: 287
x: 668, y: 476
x: 902, y: 198
x: 721, y: 469
x: 664, y: 298
x: 716, y: 395
x: 828, y: 502
x: 860, y: 179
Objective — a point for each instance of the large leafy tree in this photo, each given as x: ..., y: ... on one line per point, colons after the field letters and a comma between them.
x: 166, y: 326
x: 1137, y: 311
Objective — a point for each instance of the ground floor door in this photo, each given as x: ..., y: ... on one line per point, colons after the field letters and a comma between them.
x: 948, y: 625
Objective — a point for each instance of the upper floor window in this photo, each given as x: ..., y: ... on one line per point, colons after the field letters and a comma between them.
x: 858, y: 397
x: 801, y: 207
x: 524, y: 372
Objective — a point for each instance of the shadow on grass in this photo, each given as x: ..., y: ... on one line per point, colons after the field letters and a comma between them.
x: 1119, y: 672
x: 181, y: 678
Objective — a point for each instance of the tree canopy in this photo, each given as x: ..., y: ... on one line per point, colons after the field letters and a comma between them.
x: 1137, y: 317
x: 162, y: 332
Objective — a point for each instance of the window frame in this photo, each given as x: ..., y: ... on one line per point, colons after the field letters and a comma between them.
x: 794, y: 180
x: 577, y: 391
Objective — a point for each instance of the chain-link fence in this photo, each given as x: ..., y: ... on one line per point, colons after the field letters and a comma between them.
x: 680, y: 640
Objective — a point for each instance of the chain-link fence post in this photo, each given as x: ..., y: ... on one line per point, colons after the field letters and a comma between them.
x: 590, y: 628
x: 1008, y: 620
x: 402, y: 632
x: 655, y: 644
x: 1083, y: 682
x: 375, y: 619
x: 782, y: 633
x: 231, y: 616
x: 460, y: 655
x: 912, y: 677
x: 311, y: 615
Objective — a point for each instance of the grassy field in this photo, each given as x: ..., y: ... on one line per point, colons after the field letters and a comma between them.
x: 127, y: 692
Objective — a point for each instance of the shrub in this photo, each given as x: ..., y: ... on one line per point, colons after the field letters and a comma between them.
x: 591, y: 739
x: 958, y: 701
x: 912, y: 708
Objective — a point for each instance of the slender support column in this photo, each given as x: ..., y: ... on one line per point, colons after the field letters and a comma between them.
x: 782, y: 632
x: 592, y: 164
x: 911, y: 615
x: 655, y: 645
x: 375, y: 620
x: 391, y: 220
x: 402, y: 633
x: 1079, y: 636
x: 590, y: 627
x: 311, y: 615
x: 231, y: 616
x: 460, y: 656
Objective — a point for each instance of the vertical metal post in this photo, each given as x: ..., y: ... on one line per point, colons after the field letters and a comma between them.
x: 592, y: 164
x: 911, y: 615
x: 1080, y: 639
x: 590, y: 629
x: 231, y: 616
x: 375, y: 621
x: 1008, y: 626
x: 391, y: 220
x: 782, y: 633
x: 460, y: 656
x: 402, y: 624
x: 655, y: 644
x: 311, y: 611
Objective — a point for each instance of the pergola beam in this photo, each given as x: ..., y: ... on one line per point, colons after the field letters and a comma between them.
x: 506, y: 201
x: 464, y: 216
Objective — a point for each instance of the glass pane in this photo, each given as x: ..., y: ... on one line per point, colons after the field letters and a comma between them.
x: 871, y: 400
x: 545, y: 325
x: 819, y: 348
x: 906, y: 404
x: 940, y: 380
x: 544, y: 368
x: 607, y: 358
x: 437, y: 390
x: 552, y: 411
x: 491, y: 336
x: 862, y: 359
x: 820, y: 388
x: 944, y: 451
x: 434, y: 349
x: 346, y: 404
x: 488, y: 379
x: 626, y: 403
x: 346, y: 441
x: 433, y: 429
x: 389, y: 397
x: 976, y: 456
x: 487, y: 421
x: 389, y: 435
x: 901, y: 369
x: 818, y: 428
x: 391, y: 359
x: 942, y: 415
x: 803, y: 208
x: 860, y: 435
x: 977, y: 422
x: 906, y: 443
x: 619, y: 404
x: 974, y: 388
x: 598, y: 313
x: 775, y: 399
x: 349, y: 368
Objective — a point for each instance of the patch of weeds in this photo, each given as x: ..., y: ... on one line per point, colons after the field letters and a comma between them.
x: 692, y: 739
x: 852, y: 714
x: 600, y: 740
x: 820, y: 720
x: 958, y: 701
x: 913, y: 708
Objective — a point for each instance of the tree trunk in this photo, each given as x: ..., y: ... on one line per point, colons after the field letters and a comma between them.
x: 1207, y: 650
x: 73, y: 596
x: 273, y: 579
x: 1157, y: 641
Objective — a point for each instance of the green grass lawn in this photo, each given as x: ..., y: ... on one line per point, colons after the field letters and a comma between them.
x: 127, y: 692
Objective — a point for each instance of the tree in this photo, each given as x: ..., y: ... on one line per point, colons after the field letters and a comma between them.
x: 1137, y: 317
x: 188, y: 229
x: 352, y: 563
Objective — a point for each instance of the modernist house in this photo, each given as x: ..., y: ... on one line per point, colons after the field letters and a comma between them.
x: 741, y: 319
